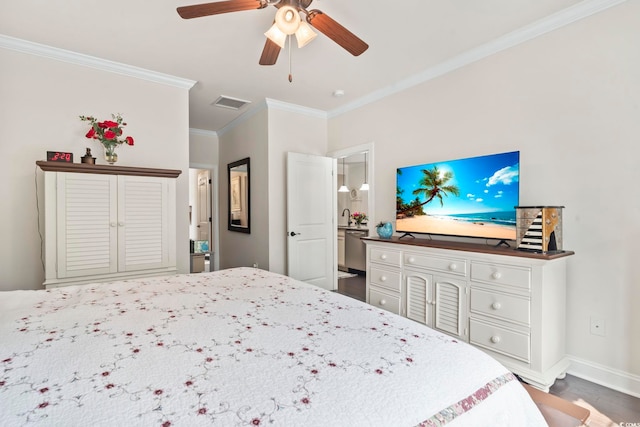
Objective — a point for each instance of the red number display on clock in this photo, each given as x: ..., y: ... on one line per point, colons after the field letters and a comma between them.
x: 59, y: 156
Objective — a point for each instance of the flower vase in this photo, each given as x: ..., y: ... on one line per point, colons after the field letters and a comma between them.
x: 358, y: 225
x: 385, y: 231
x: 110, y: 155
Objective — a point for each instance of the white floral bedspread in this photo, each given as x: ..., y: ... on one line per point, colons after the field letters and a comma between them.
x: 237, y: 347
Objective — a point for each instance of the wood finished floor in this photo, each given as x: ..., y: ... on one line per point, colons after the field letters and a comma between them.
x: 608, y: 407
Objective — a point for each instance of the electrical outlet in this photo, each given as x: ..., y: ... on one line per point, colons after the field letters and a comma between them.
x: 598, y: 326
x: 255, y: 265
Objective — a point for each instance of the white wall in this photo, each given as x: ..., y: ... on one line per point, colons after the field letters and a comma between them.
x: 248, y: 139
x: 570, y: 102
x: 40, y: 101
x: 299, y: 131
x: 265, y: 134
x: 203, y: 148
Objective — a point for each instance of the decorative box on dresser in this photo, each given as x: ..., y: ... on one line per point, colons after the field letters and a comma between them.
x: 107, y: 223
x: 509, y: 303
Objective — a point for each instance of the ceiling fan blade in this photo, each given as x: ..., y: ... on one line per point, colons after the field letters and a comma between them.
x: 336, y: 32
x: 269, y: 53
x: 206, y: 9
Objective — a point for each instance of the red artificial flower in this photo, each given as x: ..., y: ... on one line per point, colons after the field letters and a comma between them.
x: 108, y: 132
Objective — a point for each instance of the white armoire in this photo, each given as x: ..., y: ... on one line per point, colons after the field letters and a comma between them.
x: 105, y: 223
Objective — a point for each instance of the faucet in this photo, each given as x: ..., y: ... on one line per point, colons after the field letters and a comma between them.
x: 349, y: 220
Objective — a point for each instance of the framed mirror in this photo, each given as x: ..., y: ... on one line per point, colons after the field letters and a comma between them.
x: 239, y: 212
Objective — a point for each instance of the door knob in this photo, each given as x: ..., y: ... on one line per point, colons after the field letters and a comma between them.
x: 293, y: 233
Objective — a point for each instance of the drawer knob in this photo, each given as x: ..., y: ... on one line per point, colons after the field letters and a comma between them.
x: 112, y: 224
x: 496, y: 306
x: 121, y: 224
x: 495, y: 339
x: 453, y: 267
x: 383, y: 301
x: 383, y: 256
x: 496, y: 275
x: 383, y: 278
x: 411, y: 260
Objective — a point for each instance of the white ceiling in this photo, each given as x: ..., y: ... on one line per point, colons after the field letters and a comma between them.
x: 221, y: 52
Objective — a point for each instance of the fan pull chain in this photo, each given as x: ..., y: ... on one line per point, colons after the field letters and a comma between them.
x: 290, y: 75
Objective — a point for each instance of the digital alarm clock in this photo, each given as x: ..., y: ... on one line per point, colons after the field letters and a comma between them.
x: 59, y: 156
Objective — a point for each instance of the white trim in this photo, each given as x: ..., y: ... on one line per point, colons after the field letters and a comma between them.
x: 243, y: 117
x: 58, y: 54
x: 557, y: 20
x: 276, y: 105
x: 294, y: 108
x: 202, y: 132
x: 371, y: 202
x: 615, y: 379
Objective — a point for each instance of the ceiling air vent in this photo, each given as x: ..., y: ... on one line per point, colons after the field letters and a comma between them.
x: 231, y: 103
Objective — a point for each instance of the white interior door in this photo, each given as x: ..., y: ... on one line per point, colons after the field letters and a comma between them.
x: 204, y: 206
x: 311, y: 206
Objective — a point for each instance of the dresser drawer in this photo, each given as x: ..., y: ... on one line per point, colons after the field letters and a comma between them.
x: 385, y: 278
x: 500, y: 340
x: 384, y: 301
x: 455, y: 266
x: 385, y: 256
x: 501, y: 274
x: 501, y: 306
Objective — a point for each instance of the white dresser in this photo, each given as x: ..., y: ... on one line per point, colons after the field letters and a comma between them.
x: 508, y: 303
x: 107, y: 222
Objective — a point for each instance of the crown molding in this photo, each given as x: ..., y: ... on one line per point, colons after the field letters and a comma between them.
x: 68, y: 56
x: 252, y: 111
x: 294, y: 108
x: 203, y: 132
x: 560, y: 19
x: 269, y: 103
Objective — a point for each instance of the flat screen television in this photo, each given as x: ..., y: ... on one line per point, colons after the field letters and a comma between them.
x: 470, y: 197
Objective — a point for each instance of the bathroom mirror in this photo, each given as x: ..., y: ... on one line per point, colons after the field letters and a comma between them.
x: 239, y: 196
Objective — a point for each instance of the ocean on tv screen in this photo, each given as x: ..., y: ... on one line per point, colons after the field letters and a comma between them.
x: 470, y: 197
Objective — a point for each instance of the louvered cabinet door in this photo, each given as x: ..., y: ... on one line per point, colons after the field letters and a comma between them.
x: 450, y: 308
x: 144, y: 213
x: 87, y: 224
x: 419, y: 297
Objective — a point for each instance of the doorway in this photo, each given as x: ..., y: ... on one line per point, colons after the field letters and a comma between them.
x: 355, y: 168
x: 203, y: 213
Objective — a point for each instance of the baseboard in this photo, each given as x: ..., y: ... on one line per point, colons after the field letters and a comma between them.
x: 615, y: 379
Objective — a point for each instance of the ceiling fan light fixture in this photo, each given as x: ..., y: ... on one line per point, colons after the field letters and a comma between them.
x: 288, y: 19
x: 304, y: 34
x: 275, y: 35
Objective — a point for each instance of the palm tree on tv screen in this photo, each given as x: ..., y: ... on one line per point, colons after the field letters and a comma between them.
x: 433, y: 185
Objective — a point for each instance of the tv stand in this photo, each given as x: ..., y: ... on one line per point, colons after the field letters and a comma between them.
x: 507, y: 302
x: 503, y: 242
x: 407, y: 235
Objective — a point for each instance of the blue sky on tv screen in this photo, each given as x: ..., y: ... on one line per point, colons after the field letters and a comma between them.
x: 486, y: 183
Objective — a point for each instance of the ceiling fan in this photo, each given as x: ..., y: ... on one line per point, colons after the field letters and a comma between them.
x: 287, y: 22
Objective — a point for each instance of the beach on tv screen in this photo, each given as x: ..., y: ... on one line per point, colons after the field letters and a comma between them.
x: 471, y: 197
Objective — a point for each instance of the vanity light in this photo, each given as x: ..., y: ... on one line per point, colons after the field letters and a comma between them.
x: 343, y: 188
x: 365, y: 185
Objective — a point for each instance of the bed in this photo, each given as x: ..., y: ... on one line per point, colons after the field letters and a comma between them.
x: 238, y: 347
